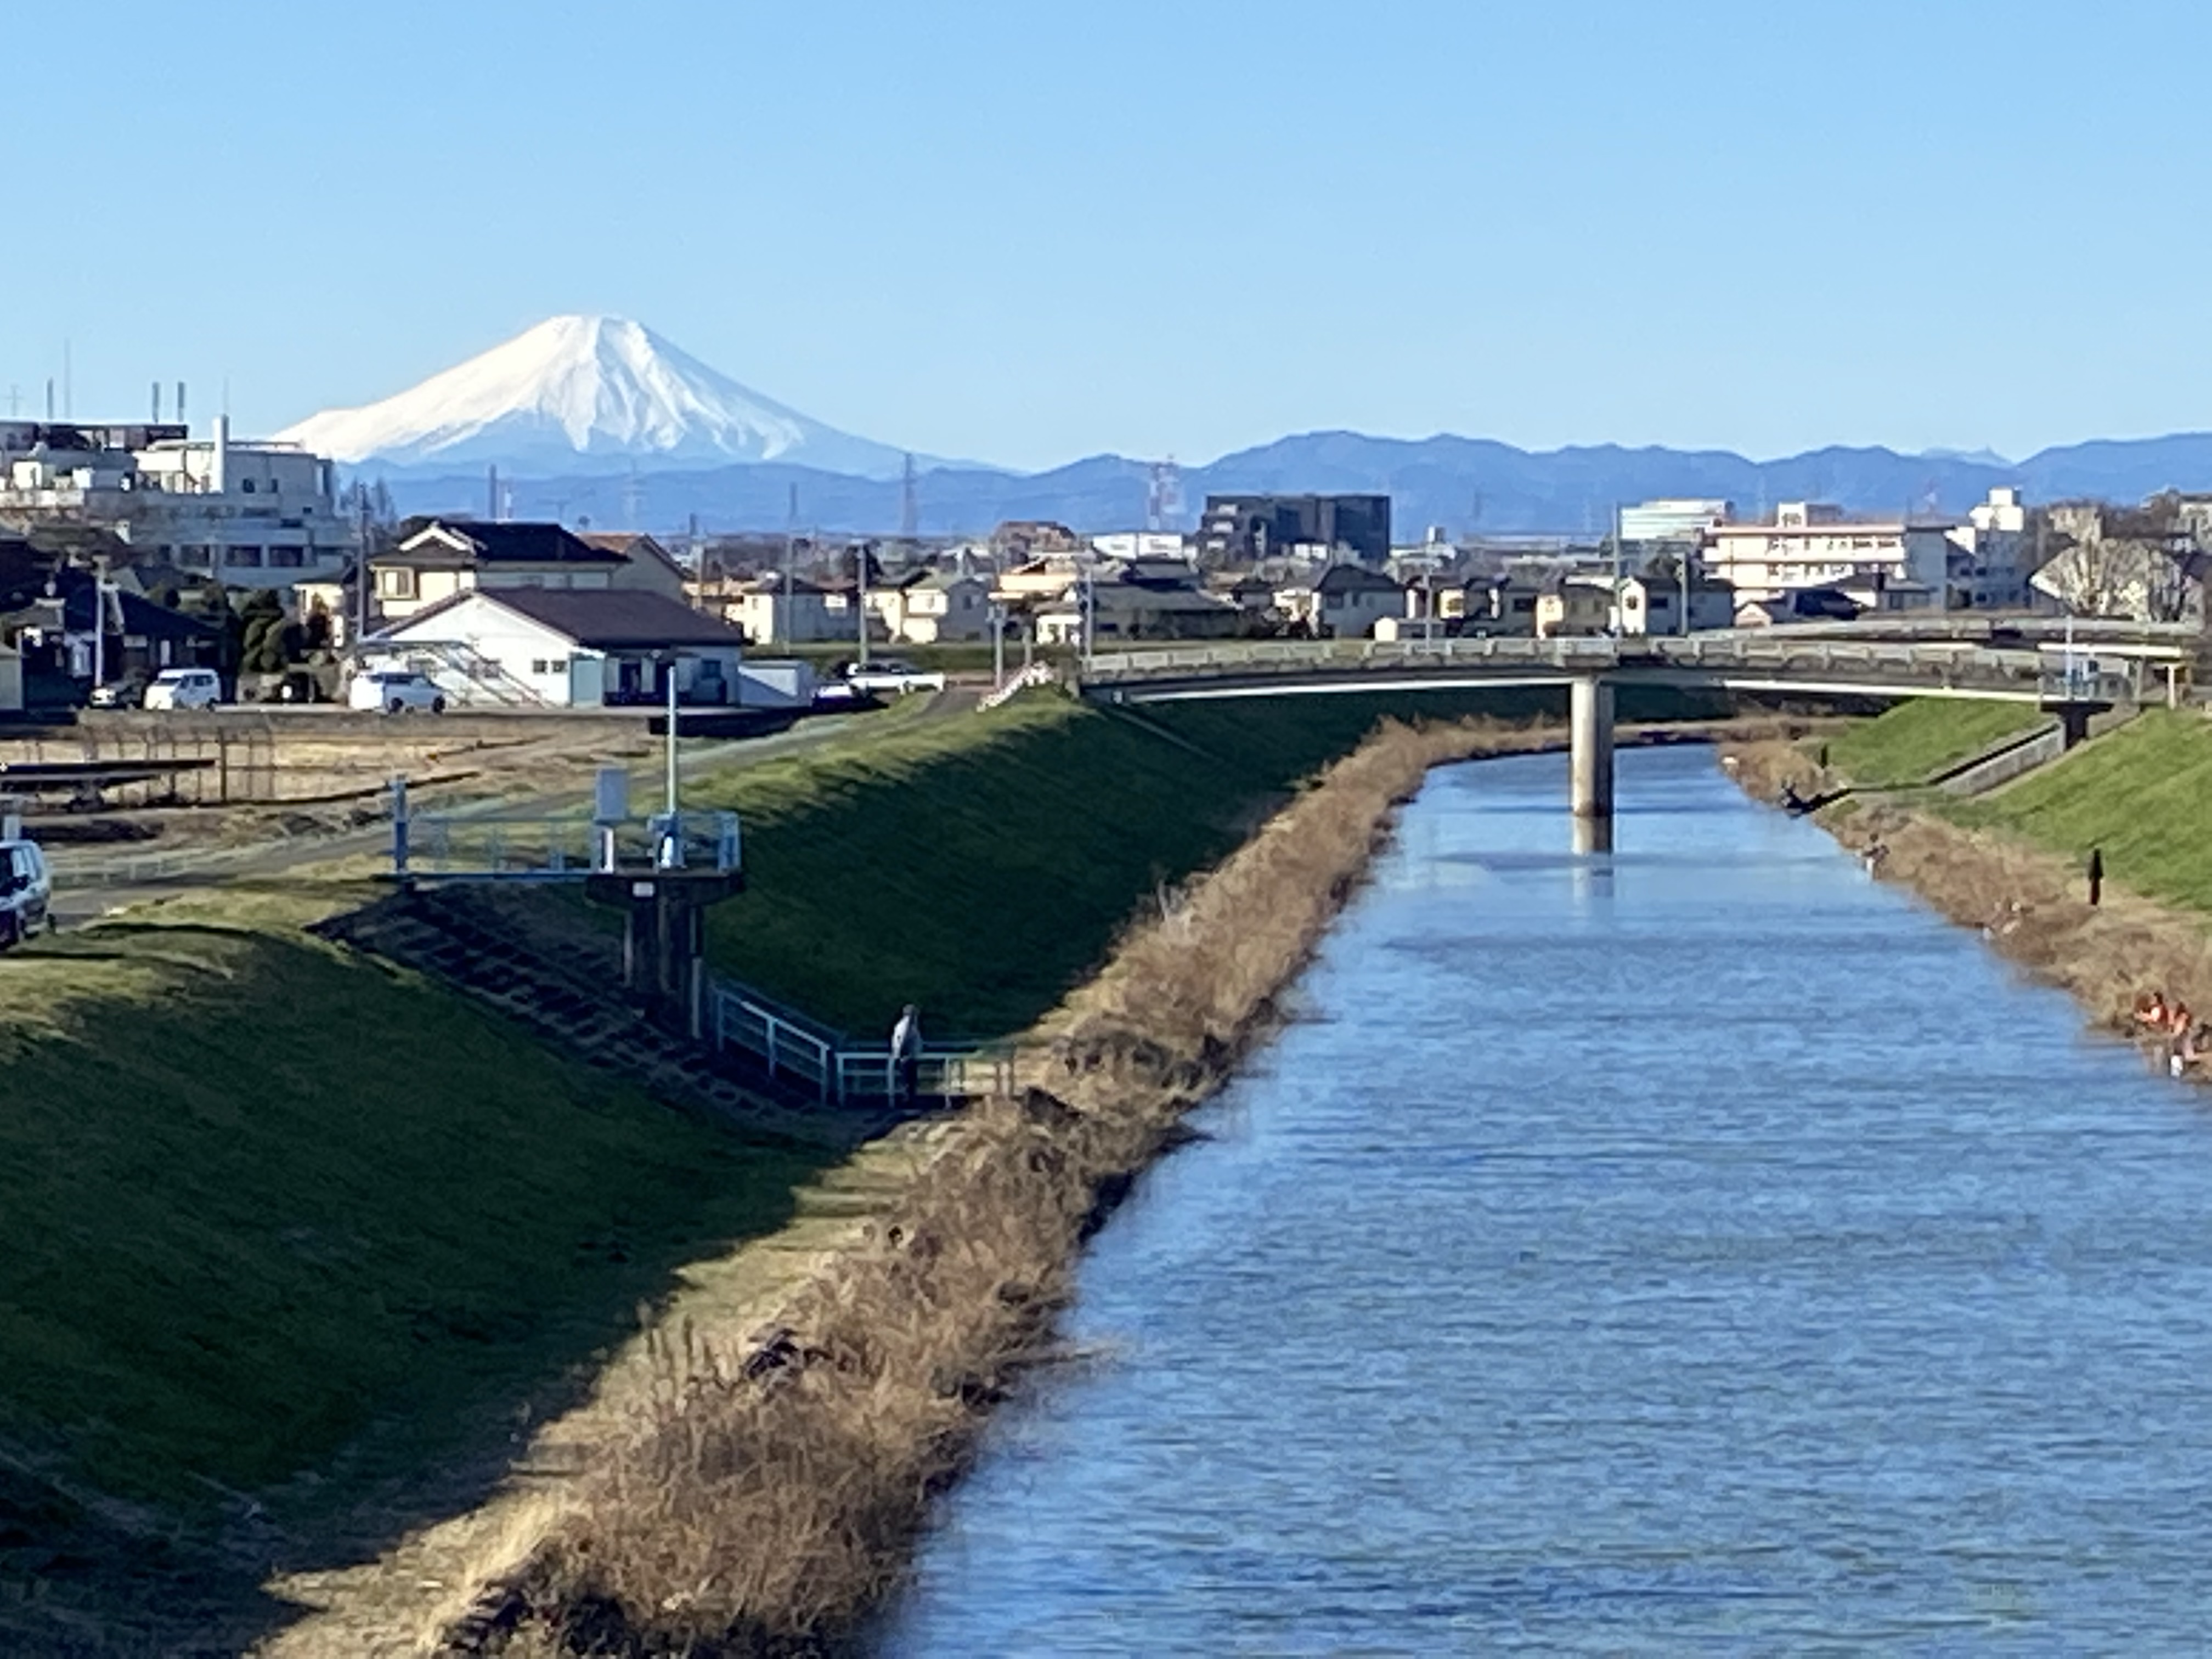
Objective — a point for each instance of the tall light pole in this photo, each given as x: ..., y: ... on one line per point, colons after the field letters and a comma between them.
x: 998, y: 645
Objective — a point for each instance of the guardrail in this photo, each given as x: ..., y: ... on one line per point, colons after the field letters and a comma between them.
x: 837, y: 1070
x: 490, y: 848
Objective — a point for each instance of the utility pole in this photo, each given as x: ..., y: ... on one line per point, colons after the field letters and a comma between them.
x: 1613, y: 625
x: 998, y: 646
x: 360, y: 565
x: 673, y: 846
x: 861, y: 594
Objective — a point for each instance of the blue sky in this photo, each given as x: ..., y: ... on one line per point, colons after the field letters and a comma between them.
x: 1024, y: 232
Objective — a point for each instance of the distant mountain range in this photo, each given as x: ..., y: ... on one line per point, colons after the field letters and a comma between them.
x: 598, y: 418
x: 1463, y: 484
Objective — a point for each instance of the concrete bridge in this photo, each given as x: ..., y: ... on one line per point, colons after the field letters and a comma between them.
x: 2008, y: 665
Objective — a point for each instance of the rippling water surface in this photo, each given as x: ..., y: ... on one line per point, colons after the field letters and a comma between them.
x: 1699, y: 1249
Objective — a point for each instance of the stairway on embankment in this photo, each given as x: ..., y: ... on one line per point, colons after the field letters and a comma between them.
x: 556, y: 981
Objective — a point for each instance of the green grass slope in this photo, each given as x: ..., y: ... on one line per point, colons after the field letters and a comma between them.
x: 1911, y: 742
x: 257, y: 1195
x: 2142, y: 793
x: 979, y: 865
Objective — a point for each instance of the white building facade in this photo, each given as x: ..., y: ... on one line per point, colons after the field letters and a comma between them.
x: 1890, y: 564
x: 245, y: 514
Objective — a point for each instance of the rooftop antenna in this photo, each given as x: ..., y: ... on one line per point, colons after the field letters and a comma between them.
x: 910, y: 507
x: 50, y: 397
x: 157, y: 402
x: 180, y: 403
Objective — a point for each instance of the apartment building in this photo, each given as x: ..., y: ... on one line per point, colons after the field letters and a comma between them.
x: 248, y: 514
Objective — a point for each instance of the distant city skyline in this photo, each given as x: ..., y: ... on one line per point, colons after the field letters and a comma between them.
x: 1026, y: 234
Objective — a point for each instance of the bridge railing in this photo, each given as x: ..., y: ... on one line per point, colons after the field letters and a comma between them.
x: 1903, y: 662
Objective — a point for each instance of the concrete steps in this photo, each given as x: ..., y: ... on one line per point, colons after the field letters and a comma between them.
x: 573, y: 1003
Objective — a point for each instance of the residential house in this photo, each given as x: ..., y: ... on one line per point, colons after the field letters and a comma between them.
x: 653, y: 567
x: 941, y: 607
x: 566, y: 648
x: 1345, y: 602
x: 447, y: 556
x: 1798, y: 605
x: 1120, y: 609
x: 1022, y: 539
x: 772, y: 610
x: 1646, y: 604
x: 1039, y: 581
x: 75, y: 626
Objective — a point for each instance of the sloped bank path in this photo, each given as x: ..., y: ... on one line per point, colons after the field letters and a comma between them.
x: 752, y: 1473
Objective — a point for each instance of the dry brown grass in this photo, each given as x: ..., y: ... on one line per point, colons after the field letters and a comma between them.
x: 765, y: 1496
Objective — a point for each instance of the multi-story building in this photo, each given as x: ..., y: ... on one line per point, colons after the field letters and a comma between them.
x: 1675, y: 520
x: 1885, y: 564
x: 245, y: 514
x: 1245, y: 528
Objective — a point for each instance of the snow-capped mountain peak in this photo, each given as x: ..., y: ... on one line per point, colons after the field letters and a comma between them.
x: 596, y: 388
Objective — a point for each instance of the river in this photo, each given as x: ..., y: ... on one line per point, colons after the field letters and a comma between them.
x: 1699, y: 1248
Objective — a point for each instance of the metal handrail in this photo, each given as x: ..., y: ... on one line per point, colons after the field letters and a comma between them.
x: 839, y: 1070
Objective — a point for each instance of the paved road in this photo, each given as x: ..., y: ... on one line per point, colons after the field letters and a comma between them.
x: 93, y: 885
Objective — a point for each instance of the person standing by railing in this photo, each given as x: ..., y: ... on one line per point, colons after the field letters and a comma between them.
x: 906, y: 1055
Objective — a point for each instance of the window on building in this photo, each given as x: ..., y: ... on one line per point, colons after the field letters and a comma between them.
x: 550, y: 666
x: 247, y: 484
x: 287, y: 558
x: 242, y: 558
x: 395, y: 584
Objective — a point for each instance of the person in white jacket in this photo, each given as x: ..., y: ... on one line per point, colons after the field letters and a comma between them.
x: 906, y: 1055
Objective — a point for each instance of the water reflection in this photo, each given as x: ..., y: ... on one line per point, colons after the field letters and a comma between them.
x: 1635, y: 1255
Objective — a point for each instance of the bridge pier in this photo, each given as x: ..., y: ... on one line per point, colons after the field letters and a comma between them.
x: 1589, y: 723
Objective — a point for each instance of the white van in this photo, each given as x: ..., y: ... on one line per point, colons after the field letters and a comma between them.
x: 185, y: 688
x: 27, y: 889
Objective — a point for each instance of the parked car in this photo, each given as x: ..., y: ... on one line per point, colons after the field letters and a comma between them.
x: 129, y: 692
x: 891, y: 674
x: 395, y: 691
x: 27, y: 890
x: 185, y: 688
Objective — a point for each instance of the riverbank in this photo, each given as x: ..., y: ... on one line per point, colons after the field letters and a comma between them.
x: 2012, y: 865
x: 764, y: 1493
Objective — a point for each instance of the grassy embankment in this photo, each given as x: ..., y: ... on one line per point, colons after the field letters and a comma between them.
x: 1921, y: 739
x: 981, y: 869
x: 262, y: 1200
x: 271, y: 1208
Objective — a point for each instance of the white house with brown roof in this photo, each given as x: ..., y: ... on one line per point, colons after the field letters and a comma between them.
x: 565, y: 648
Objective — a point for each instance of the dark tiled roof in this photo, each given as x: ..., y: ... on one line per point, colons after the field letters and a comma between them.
x: 599, y: 619
x: 1355, y: 578
x: 510, y: 544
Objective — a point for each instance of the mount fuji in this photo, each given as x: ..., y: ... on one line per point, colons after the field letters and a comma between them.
x: 575, y: 391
